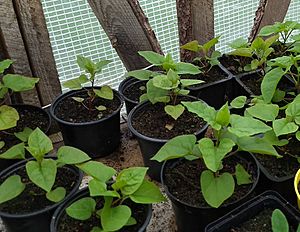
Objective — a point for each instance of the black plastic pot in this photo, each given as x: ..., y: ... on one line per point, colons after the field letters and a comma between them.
x: 85, y: 193
x: 39, y: 220
x: 191, y: 218
x: 98, y: 138
x: 270, y: 199
x: 215, y: 93
x: 150, y: 146
x: 5, y: 163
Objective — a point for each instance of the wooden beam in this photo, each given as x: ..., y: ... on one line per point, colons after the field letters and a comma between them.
x: 14, y: 48
x: 268, y: 12
x: 195, y: 22
x: 36, y: 38
x: 127, y: 28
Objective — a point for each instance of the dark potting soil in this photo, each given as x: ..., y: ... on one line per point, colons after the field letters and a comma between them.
x: 183, y: 180
x: 260, y: 223
x: 151, y: 122
x: 70, y: 110
x: 282, y: 167
x: 234, y: 64
x: 33, y: 198
x: 68, y: 224
x: 135, y: 90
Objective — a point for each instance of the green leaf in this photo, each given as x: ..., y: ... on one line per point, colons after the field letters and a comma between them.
x: 265, y: 112
x: 101, y: 64
x: 2, y: 144
x: 147, y: 193
x: 43, y: 174
x: 174, y: 111
x: 71, y: 155
x: 24, y: 135
x: 189, y: 82
x: 18, y: 83
x: 279, y: 222
x: 296, y: 37
x: 8, y: 117
x: 223, y: 115
x: 177, y: 147
x: 208, y: 45
x: 78, y: 99
x: 293, y: 111
x: 152, y: 57
x: 216, y: 190
x: 86, y: 64
x: 82, y: 209
x: 14, y: 152
x: 101, y: 108
x: 187, y: 68
x: 298, y: 135
x: 4, y: 64
x: 241, y: 175
x: 239, y: 102
x: 214, y: 59
x: 130, y: 179
x: 97, y: 229
x: 155, y: 94
x: 278, y: 96
x: 131, y: 222
x: 105, y: 92
x: 246, y: 126
x: 162, y: 82
x: 295, y: 48
x: 56, y: 195
x: 238, y: 43
x: 283, y: 126
x: 99, y: 188
x: 141, y: 74
x: 271, y: 137
x: 191, y: 46
x: 11, y: 188
x: 270, y: 82
x: 268, y: 30
x: 245, y: 52
x: 113, y: 219
x: 212, y: 154
x: 39, y: 144
x: 97, y: 170
x: 73, y: 84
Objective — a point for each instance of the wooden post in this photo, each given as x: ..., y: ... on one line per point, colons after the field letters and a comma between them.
x: 268, y: 12
x: 36, y: 38
x: 195, y: 22
x: 127, y: 28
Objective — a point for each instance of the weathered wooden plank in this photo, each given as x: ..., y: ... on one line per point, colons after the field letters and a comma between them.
x: 268, y: 12
x: 36, y: 38
x: 14, y: 48
x: 195, y: 22
x: 127, y: 28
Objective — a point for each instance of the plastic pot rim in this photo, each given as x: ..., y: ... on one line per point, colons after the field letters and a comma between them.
x: 175, y: 199
x: 296, y: 183
x: 129, y: 85
x: 67, y: 94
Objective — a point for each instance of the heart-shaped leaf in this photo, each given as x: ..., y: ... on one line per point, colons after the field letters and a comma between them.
x: 174, y: 111
x: 15, y: 152
x: 11, y: 188
x: 283, y: 126
x: 8, y: 117
x: 113, y: 219
x: 147, y: 193
x: 71, y: 155
x: 18, y: 83
x: 105, y: 92
x: 82, y: 209
x: 57, y: 194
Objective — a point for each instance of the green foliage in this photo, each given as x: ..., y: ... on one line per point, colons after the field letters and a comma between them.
x: 239, y: 102
x: 279, y: 222
x: 11, y: 188
x: 8, y: 117
x: 241, y: 175
x: 91, y: 69
x: 130, y: 183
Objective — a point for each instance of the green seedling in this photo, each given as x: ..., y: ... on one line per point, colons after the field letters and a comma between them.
x: 128, y: 185
x: 230, y: 132
x: 91, y: 69
x: 41, y: 171
x: 279, y: 222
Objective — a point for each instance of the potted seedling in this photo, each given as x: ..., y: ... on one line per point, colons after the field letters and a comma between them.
x: 16, y: 117
x: 216, y: 77
x: 89, y: 117
x: 226, y: 173
x: 266, y: 212
x: 32, y: 189
x: 111, y: 202
x: 163, y: 116
x: 134, y: 86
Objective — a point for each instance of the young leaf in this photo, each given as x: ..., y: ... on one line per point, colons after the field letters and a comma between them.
x: 241, y: 175
x: 147, y: 193
x: 78, y: 99
x: 279, y: 222
x: 82, y: 209
x: 18, y: 83
x: 4, y: 64
x: 152, y: 57
x: 11, y: 188
x: 212, y: 154
x: 101, y: 64
x: 208, y: 45
x: 74, y: 84
x: 189, y: 82
x: 8, y: 117
x: 177, y: 147
x: 2, y: 144
x: 216, y: 190
x: 43, y: 174
x: 101, y: 108
x: 239, y: 102
x: 283, y: 126
x: 105, y: 92
x: 298, y: 135
x: 270, y: 82
x: 97, y: 170
x: 246, y: 52
x: 130, y: 179
x: 86, y: 64
x: 131, y: 222
x: 163, y: 82
x: 269, y: 30
x: 193, y: 46
x: 141, y: 74
x: 99, y: 188
x: 187, y: 68
x: 14, y: 152
x: 265, y: 112
x: 56, y: 195
x: 174, y: 111
x: 293, y: 111
x: 238, y: 43
x: 155, y: 94
x: 71, y: 155
x: 223, y: 115
x: 113, y: 219
x: 24, y: 135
